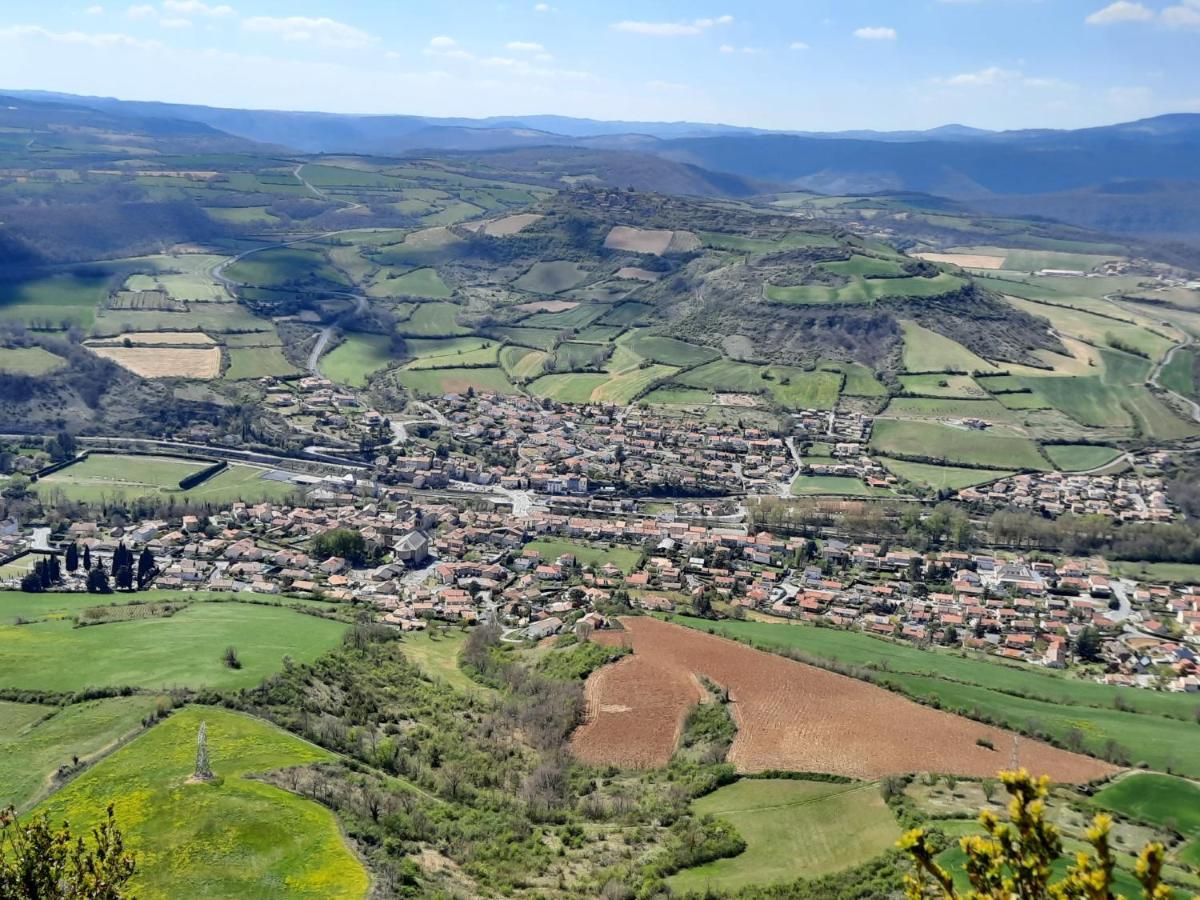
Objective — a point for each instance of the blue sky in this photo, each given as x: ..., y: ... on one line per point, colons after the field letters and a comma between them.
x: 800, y: 64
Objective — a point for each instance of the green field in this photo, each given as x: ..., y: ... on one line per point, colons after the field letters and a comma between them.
x: 433, y: 320
x: 233, y: 837
x: 623, y: 558
x: 928, y: 351
x: 802, y: 390
x: 155, y: 653
x: 678, y: 396
x: 550, y: 277
x: 258, y: 362
x: 669, y: 351
x: 1162, y: 800
x: 1179, y: 374
x: 36, y: 740
x: 437, y: 652
x: 1159, y: 572
x: 1080, y: 457
x: 521, y: 362
x: 1156, y: 727
x: 242, y: 215
x: 990, y: 448
x: 54, y: 299
x: 436, y: 382
x: 956, y: 386
x: 865, y: 267
x: 942, y: 477
x: 105, y: 477
x: 184, y: 277
x: 864, y: 290
x: 837, y: 485
x: 357, y: 357
x: 793, y: 829
x: 286, y: 267
x: 1036, y: 260
x: 988, y: 410
x: 29, y: 361
x: 417, y: 283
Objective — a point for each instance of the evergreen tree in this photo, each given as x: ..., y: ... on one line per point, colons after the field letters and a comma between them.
x: 1087, y: 644
x: 72, y: 557
x: 87, y: 557
x: 97, y: 581
x: 145, y: 567
x: 124, y: 578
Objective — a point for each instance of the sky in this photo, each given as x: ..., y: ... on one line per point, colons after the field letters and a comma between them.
x: 816, y: 65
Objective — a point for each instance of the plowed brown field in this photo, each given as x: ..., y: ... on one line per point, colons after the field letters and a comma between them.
x: 789, y: 715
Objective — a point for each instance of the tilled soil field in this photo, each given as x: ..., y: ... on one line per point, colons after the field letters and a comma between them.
x: 790, y: 715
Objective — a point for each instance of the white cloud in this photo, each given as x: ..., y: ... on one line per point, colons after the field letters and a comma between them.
x: 446, y: 46
x: 876, y: 33
x: 995, y: 76
x: 20, y: 32
x: 302, y: 29
x: 727, y: 48
x: 1185, y: 15
x: 1130, y: 96
x: 141, y: 11
x: 671, y: 29
x: 175, y: 22
x: 1120, y: 11
x: 543, y: 8
x: 197, y: 8
x: 524, y: 47
x: 798, y: 45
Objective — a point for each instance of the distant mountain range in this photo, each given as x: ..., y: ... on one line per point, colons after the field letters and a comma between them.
x: 1151, y: 166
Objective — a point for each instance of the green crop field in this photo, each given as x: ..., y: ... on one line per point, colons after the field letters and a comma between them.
x: 258, y: 362
x: 793, y: 829
x: 29, y: 361
x: 106, y: 477
x: 864, y: 290
x: 433, y: 320
x: 859, y: 380
x: 939, y: 477
x: 539, y: 338
x: 623, y: 558
x: 1080, y: 457
x: 357, y: 357
x: 577, y: 317
x: 1179, y: 374
x: 678, y: 396
x: 233, y: 837
x: 551, y: 277
x: 1155, y: 727
x: 36, y: 740
x: 184, y: 649
x: 1162, y: 800
x: 933, y: 441
x: 436, y: 382
x: 1036, y: 260
x: 627, y: 313
x: 1099, y: 330
x: 668, y: 350
x: 928, y: 351
x: 572, y: 357
x: 417, y: 283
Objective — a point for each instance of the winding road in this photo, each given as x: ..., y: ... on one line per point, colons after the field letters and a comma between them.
x: 1153, y: 379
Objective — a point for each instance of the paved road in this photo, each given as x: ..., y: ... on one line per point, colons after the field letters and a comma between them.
x: 1192, y: 405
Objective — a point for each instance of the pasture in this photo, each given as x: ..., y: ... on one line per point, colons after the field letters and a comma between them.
x: 833, y: 485
x: 864, y: 290
x: 1163, y: 800
x: 436, y: 653
x: 789, y: 386
x: 436, y: 382
x: 522, y: 362
x: 928, y: 351
x: 793, y: 829
x: 111, y: 477
x: 1080, y: 457
x: 952, y: 408
x: 669, y: 351
x: 936, y: 385
x: 356, y: 358
x: 934, y: 442
x: 181, y: 650
x: 549, y: 550
x: 258, y: 362
x: 433, y: 320
x: 424, y: 282
x: 35, y: 740
x: 237, y: 836
x: 29, y: 361
x: 51, y: 300
x: 942, y: 477
x: 551, y: 277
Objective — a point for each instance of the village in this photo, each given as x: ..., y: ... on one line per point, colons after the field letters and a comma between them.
x: 428, y: 561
